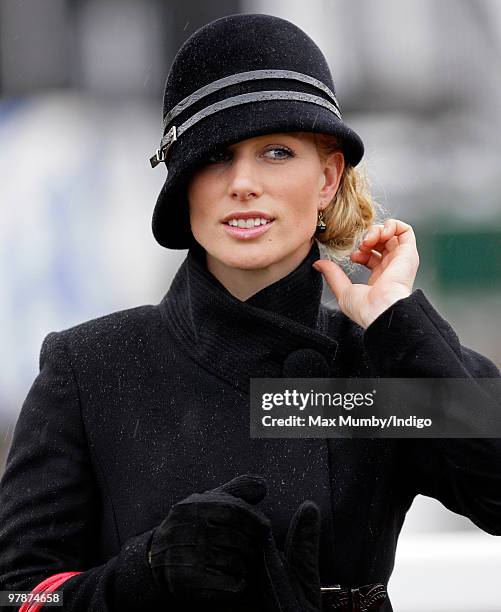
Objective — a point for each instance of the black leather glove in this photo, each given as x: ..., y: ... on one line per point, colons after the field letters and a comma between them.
x: 210, y: 545
x: 291, y: 580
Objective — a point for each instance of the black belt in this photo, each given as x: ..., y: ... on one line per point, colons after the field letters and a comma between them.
x: 353, y: 599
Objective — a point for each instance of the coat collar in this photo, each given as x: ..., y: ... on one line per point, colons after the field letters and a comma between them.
x: 279, y: 331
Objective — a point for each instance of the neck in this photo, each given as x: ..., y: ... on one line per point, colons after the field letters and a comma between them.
x: 243, y: 283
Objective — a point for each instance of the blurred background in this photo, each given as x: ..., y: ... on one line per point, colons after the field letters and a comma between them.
x: 81, y: 85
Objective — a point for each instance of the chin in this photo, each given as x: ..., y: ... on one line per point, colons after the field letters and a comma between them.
x: 250, y: 259
x: 249, y: 263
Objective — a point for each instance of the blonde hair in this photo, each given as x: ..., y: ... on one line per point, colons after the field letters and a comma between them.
x: 350, y: 213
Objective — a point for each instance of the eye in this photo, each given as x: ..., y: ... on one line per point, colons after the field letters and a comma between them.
x: 217, y: 156
x: 275, y: 152
x: 280, y: 152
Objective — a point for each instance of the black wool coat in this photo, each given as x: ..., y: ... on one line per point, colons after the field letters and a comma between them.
x: 136, y: 410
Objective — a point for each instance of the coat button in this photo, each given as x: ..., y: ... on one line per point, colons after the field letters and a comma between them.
x: 305, y: 363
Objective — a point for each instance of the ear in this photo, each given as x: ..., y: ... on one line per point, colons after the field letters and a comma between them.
x: 333, y: 168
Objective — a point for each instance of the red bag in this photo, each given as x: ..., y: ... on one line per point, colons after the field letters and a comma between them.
x: 50, y: 584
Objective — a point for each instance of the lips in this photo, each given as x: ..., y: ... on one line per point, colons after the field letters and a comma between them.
x: 247, y: 233
x: 248, y: 214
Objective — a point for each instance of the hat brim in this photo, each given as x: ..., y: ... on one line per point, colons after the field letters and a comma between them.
x: 171, y: 221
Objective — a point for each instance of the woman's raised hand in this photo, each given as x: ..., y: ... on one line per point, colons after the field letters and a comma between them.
x: 390, y: 252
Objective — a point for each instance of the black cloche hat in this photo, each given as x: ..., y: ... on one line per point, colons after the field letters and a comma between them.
x: 238, y: 77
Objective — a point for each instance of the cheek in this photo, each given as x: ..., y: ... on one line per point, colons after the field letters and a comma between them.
x: 198, y: 184
x: 302, y: 202
x: 198, y: 198
x: 301, y: 181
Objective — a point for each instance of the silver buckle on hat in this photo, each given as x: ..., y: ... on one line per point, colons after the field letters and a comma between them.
x: 165, y: 144
x: 335, y: 587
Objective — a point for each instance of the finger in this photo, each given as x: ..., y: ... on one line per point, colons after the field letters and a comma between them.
x: 232, y: 539
x: 199, y: 569
x: 234, y: 563
x: 182, y: 534
x: 222, y: 584
x: 187, y: 534
x: 369, y: 259
x: 229, y: 515
x: 386, y: 244
x: 249, y: 487
x: 302, y: 540
x: 373, y: 242
x: 362, y: 255
x: 199, y: 583
x: 372, y: 248
x: 383, y: 232
x: 373, y: 235
x: 337, y: 280
x: 302, y: 550
x: 389, y: 228
x: 386, y: 232
x: 392, y: 244
x: 401, y: 229
x: 231, y: 563
x: 276, y: 583
x: 180, y: 555
x: 222, y: 509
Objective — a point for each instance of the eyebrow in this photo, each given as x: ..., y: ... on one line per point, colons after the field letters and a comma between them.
x: 270, y: 137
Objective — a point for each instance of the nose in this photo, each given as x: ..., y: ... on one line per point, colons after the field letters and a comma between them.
x: 244, y: 180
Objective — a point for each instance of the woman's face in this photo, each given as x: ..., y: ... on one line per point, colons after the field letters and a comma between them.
x: 279, y: 178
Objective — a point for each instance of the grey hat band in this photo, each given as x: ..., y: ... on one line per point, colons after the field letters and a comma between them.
x: 242, y: 77
x: 258, y: 96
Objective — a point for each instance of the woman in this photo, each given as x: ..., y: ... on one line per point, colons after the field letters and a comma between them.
x: 132, y: 482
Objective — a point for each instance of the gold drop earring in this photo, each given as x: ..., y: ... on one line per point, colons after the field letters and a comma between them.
x: 321, y: 227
